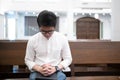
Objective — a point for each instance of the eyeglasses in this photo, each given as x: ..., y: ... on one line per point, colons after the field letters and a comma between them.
x: 45, y: 32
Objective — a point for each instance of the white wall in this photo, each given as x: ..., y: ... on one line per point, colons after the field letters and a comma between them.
x: 2, y: 28
x: 56, y: 5
x: 65, y: 6
x: 115, y: 30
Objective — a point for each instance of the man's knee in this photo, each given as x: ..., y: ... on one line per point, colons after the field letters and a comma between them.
x: 61, y: 76
x: 34, y: 75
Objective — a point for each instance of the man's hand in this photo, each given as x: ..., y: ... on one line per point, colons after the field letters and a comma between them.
x: 47, y: 69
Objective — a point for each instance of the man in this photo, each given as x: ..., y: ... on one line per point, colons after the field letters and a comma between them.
x: 48, y: 51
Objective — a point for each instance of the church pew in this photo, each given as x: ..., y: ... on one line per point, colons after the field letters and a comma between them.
x: 12, y: 55
x: 86, y: 55
x: 12, y: 63
x: 95, y: 57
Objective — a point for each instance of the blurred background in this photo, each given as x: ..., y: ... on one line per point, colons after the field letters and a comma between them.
x: 18, y: 18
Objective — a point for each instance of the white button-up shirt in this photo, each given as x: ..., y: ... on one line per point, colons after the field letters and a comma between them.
x: 54, y: 51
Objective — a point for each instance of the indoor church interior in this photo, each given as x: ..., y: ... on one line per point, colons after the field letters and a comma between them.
x: 92, y: 28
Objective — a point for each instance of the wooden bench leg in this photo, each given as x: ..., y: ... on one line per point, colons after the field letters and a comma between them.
x: 72, y: 70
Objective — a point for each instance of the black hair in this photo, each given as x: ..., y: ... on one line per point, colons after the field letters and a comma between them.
x: 47, y: 19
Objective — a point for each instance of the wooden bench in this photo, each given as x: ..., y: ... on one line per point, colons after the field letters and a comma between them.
x: 95, y: 57
x: 12, y: 55
x: 89, y: 58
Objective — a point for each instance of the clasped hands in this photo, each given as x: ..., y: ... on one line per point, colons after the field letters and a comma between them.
x: 47, y: 69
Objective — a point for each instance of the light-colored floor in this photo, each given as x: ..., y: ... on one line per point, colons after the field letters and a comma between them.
x: 85, y: 78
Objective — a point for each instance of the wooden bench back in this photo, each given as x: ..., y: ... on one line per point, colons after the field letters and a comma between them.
x: 83, y: 52
x: 95, y: 52
x: 93, y: 56
x: 12, y: 52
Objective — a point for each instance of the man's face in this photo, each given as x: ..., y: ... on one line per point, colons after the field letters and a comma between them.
x: 47, y: 31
